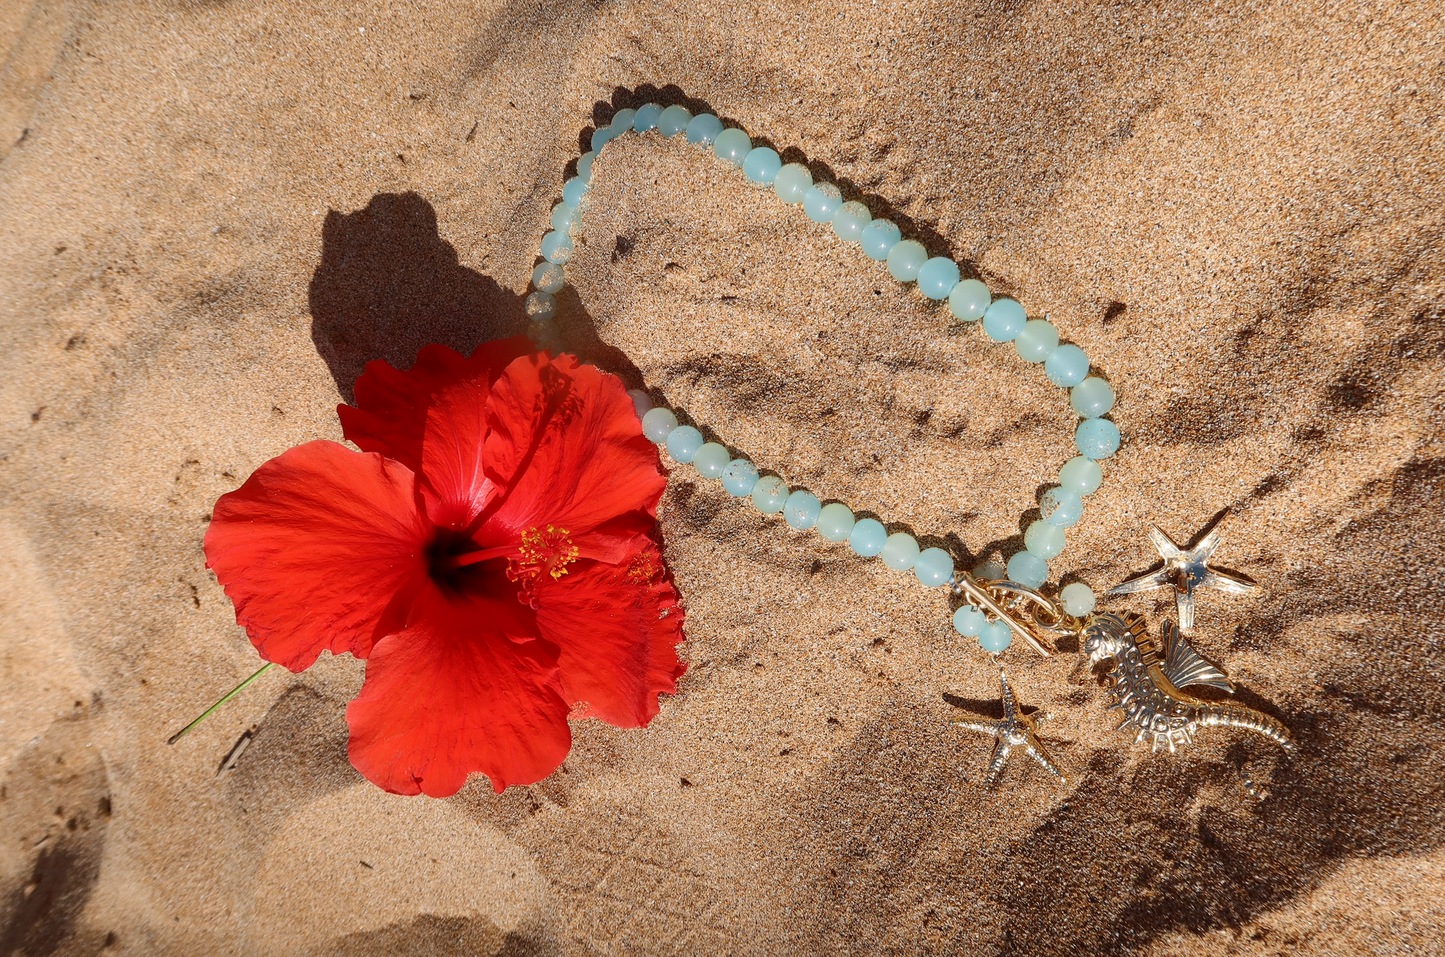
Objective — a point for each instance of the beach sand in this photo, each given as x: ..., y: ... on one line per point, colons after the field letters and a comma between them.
x: 213, y: 214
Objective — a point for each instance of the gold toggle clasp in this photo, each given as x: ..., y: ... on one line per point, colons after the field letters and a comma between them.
x: 1032, y: 616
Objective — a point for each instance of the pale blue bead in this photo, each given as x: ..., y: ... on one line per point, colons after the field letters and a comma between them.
x: 646, y: 118
x: 733, y: 146
x: 1028, y: 570
x: 703, y: 129
x: 683, y: 443
x: 673, y: 120
x: 878, y: 239
x: 1038, y: 340
x: 934, y: 567
x: 937, y: 277
x: 900, y: 551
x: 549, y: 277
x: 850, y: 221
x: 658, y: 424
x: 792, y: 183
x: 802, y: 510
x: 969, y: 300
x: 1044, y: 540
x: 905, y: 259
x: 835, y: 522
x: 563, y: 216
x: 539, y: 306
x: 822, y: 202
x: 1061, y: 507
x: 761, y: 165
x: 1078, y: 599
x: 557, y: 248
x: 739, y: 478
x: 1066, y: 366
x: 711, y: 459
x: 622, y: 122
x: 1092, y: 398
x: 1097, y: 438
x: 995, y: 637
x: 1081, y: 474
x: 770, y: 495
x: 641, y: 401
x: 1004, y: 320
x: 584, y: 167
x: 601, y: 138
x: 868, y: 537
x: 573, y: 191
x: 545, y: 335
x: 968, y: 621
x: 990, y: 572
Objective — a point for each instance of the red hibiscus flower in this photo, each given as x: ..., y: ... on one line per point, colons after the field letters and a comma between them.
x: 491, y: 553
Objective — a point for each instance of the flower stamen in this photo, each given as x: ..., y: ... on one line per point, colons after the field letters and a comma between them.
x: 646, y: 568
x: 548, y: 552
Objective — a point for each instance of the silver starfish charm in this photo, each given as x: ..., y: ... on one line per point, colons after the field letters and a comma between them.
x: 1016, y: 730
x: 1186, y: 569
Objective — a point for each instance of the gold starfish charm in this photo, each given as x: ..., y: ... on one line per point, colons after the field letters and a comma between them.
x: 1016, y: 730
x: 1186, y: 569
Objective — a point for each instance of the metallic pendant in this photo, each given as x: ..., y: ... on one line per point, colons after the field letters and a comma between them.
x: 1146, y: 679
x: 1146, y: 676
x: 1186, y: 569
x: 1016, y: 730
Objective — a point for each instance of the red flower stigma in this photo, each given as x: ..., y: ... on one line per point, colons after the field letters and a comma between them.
x: 548, y: 552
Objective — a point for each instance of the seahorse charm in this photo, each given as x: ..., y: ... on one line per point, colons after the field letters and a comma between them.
x: 1147, y: 676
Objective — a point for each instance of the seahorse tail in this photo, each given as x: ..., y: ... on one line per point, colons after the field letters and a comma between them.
x: 1236, y: 716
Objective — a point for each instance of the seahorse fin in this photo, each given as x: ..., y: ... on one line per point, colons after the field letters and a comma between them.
x: 1184, y: 666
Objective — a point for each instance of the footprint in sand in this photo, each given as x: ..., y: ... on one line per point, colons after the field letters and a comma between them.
x: 55, y: 811
x: 35, y: 33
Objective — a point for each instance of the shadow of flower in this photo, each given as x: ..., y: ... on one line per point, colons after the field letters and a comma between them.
x: 388, y: 284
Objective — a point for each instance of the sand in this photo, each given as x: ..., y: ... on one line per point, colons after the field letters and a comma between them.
x: 212, y: 214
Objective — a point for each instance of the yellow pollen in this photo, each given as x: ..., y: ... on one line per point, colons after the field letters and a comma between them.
x: 645, y: 568
x: 552, y: 550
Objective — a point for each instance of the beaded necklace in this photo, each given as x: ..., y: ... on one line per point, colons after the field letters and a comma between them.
x: 995, y: 603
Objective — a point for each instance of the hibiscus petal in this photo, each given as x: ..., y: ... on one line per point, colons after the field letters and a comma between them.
x: 565, y: 447
x: 616, y: 627
x: 322, y: 549
x: 464, y: 688
x: 432, y: 418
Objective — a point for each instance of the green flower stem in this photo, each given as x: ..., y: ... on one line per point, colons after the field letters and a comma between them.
x: 227, y: 697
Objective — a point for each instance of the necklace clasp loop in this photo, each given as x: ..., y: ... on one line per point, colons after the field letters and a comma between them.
x: 1032, y: 616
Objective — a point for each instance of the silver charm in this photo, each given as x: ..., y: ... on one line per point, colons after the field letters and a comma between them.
x: 1146, y: 679
x: 1016, y: 730
x: 1186, y: 569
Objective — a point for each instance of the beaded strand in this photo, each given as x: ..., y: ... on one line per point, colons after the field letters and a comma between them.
x: 937, y: 279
